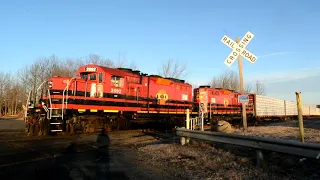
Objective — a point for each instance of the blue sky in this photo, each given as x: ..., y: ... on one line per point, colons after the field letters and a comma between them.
x: 151, y: 31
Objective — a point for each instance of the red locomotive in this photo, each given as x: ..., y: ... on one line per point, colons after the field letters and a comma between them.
x: 117, y: 97
x: 218, y: 103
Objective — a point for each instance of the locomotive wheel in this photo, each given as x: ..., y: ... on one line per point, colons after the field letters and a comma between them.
x: 120, y: 123
x: 31, y: 130
x: 40, y: 133
x: 70, y: 129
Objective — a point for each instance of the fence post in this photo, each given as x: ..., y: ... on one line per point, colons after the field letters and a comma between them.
x: 202, y: 122
x: 259, y: 157
x: 185, y: 140
x: 300, y: 117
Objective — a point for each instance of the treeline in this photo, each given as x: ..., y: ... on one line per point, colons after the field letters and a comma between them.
x: 230, y: 80
x: 15, y: 87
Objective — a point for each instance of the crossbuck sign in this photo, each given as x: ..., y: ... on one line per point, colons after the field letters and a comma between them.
x: 239, y: 49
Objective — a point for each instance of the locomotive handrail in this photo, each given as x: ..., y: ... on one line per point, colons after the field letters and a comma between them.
x: 41, y: 85
x: 67, y: 95
x: 303, y: 149
x: 29, y: 96
x: 27, y: 107
x: 50, y: 105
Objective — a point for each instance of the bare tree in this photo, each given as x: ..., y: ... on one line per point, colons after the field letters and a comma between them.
x: 133, y: 66
x: 73, y: 65
x: 3, y: 84
x: 96, y: 59
x: 260, y: 88
x: 121, y: 62
x: 227, y: 80
x: 171, y: 69
x: 248, y: 89
x: 230, y: 80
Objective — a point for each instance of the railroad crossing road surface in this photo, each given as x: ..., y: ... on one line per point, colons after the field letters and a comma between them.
x: 59, y: 159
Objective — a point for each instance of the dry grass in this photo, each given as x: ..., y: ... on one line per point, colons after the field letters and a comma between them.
x: 287, y: 130
x: 202, y: 161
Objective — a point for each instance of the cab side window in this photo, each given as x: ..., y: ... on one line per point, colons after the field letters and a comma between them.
x: 100, y: 77
x: 93, y: 77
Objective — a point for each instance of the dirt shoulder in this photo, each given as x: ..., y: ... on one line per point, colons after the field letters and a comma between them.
x: 203, y: 161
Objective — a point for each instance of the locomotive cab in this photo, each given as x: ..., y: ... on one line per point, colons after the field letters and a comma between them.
x: 91, y: 79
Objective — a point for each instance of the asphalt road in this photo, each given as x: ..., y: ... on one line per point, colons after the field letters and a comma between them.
x: 11, y: 124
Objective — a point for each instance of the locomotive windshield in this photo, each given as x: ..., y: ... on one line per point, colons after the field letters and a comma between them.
x: 84, y: 76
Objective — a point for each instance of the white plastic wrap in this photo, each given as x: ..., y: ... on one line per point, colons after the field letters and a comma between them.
x: 268, y: 106
x: 291, y: 108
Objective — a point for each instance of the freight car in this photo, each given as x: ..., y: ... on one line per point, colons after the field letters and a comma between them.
x: 269, y: 107
x: 219, y: 103
x: 100, y: 96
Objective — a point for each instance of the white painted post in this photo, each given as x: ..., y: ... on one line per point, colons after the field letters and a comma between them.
x: 194, y: 123
x: 202, y: 122
x: 210, y: 113
x: 188, y: 119
x: 185, y: 140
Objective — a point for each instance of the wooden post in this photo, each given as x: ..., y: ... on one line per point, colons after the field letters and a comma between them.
x: 244, y: 113
x: 300, y: 118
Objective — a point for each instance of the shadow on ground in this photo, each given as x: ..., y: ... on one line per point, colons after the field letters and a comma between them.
x: 74, y: 161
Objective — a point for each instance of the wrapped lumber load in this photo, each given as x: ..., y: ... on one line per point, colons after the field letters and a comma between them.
x: 313, y: 111
x: 291, y: 108
x: 268, y: 106
x: 305, y: 110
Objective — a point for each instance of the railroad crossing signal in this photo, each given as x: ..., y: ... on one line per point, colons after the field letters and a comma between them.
x: 238, y: 49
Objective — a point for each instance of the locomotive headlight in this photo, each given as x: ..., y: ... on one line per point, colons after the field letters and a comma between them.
x: 50, y: 84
